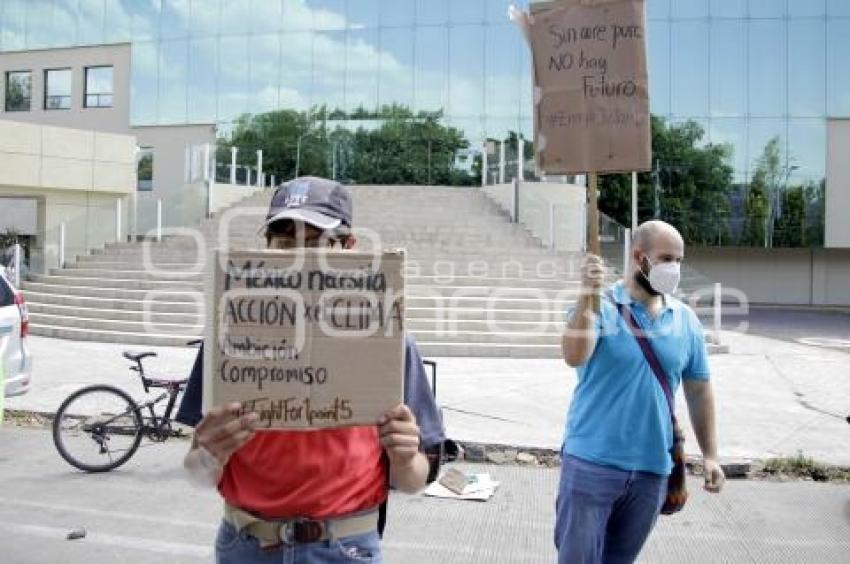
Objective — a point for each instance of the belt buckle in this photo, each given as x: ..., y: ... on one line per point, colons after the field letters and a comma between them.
x: 301, y: 531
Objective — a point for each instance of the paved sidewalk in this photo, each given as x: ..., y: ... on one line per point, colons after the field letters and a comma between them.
x: 773, y: 397
x: 146, y: 512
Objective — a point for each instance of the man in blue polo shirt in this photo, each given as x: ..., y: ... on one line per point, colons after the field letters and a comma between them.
x: 616, y: 452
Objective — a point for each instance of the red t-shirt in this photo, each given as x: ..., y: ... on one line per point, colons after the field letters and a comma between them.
x: 316, y: 474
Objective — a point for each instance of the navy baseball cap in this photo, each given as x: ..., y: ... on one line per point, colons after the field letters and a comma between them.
x: 318, y: 201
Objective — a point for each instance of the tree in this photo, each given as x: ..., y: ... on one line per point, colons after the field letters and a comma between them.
x: 397, y: 147
x: 17, y: 93
x: 694, y: 181
x: 760, y: 208
x: 789, y: 230
x: 814, y: 223
x: 755, y: 211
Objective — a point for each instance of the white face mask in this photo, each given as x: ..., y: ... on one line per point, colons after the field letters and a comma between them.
x: 664, y: 277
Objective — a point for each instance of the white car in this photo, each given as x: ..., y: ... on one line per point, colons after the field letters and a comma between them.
x: 14, y: 327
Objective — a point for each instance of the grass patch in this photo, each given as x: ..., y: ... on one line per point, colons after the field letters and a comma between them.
x: 26, y: 419
x: 803, y: 467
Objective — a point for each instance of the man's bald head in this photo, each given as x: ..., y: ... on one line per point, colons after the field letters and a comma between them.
x: 656, y: 242
x: 650, y: 234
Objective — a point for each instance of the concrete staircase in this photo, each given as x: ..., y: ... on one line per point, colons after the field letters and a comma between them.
x: 477, y: 285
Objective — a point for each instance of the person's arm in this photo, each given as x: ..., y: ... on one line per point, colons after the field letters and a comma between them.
x: 400, y: 438
x: 580, y: 337
x: 700, y: 398
x: 219, y: 434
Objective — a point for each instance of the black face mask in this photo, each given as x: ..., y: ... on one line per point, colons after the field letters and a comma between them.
x: 643, y: 282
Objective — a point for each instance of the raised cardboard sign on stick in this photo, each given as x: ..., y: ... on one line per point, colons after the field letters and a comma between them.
x: 591, y: 86
x: 307, y: 339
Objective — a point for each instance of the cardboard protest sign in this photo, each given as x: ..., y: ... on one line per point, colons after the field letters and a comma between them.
x: 591, y: 85
x: 309, y: 338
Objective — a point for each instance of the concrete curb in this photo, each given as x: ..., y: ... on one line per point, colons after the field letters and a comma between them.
x: 486, y: 453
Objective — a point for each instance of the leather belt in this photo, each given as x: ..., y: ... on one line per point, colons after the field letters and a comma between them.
x: 298, y: 531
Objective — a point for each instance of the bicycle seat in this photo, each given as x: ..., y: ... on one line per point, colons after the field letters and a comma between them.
x: 138, y: 357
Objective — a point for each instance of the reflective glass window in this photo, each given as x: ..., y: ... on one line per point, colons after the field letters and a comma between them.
x: 173, y: 72
x: 118, y: 22
x: 689, y: 68
x: 431, y: 91
x: 18, y: 91
x: 728, y: 68
x: 233, y: 77
x: 39, y: 24
x: 761, y: 131
x: 806, y: 8
x: 174, y: 21
x: 807, y: 149
x: 658, y: 9
x: 236, y: 16
x: 728, y: 8
x: 362, y: 70
x: 363, y: 14
x: 768, y: 68
x: 432, y: 12
x: 396, y: 68
x: 767, y: 8
x: 57, y: 89
x: 838, y: 79
x: 733, y: 133
x: 203, y: 70
x: 499, y: 129
x: 658, y: 54
x: 502, y: 77
x: 496, y: 11
x: 328, y: 15
x: 330, y: 58
x: 806, y: 68
x: 526, y: 93
x: 296, y: 70
x: 99, y: 87
x: 468, y: 11
x: 264, y: 65
x: 466, y: 71
x: 838, y: 7
x: 144, y: 169
x: 526, y: 128
x: 266, y: 17
x: 90, y: 22
x: 689, y: 8
x: 13, y: 25
x: 397, y: 13
x: 204, y: 19
x: 472, y: 128
x: 64, y: 23
x: 143, y: 91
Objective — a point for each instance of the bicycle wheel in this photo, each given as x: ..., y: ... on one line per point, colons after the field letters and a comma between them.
x: 97, y: 428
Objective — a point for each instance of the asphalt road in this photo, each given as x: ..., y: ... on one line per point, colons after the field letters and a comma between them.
x: 830, y: 329
x: 145, y: 512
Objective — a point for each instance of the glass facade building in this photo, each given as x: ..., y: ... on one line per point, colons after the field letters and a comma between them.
x: 746, y: 70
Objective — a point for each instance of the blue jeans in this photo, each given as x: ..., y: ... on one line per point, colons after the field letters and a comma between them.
x: 604, y: 515
x: 232, y: 547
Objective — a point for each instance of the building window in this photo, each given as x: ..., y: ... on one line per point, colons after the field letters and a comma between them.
x: 18, y: 91
x: 99, y: 87
x: 144, y: 169
x: 57, y: 89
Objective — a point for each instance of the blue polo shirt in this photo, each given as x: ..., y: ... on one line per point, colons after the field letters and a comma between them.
x: 619, y: 415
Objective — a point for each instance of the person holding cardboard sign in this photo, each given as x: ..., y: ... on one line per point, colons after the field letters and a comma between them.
x: 622, y: 458
x: 309, y: 496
